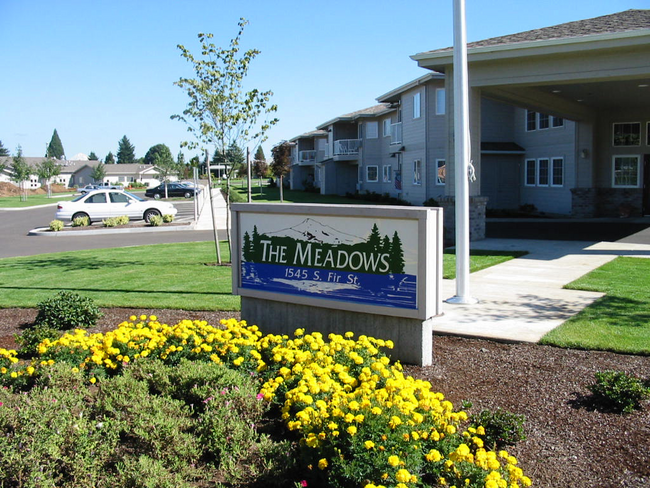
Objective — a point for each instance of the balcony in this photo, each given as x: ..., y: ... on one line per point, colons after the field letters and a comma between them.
x: 396, y: 133
x: 306, y: 158
x: 346, y: 149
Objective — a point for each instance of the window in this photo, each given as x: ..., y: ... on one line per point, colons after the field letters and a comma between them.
x: 441, y: 172
x: 531, y: 166
x: 372, y: 130
x: 542, y: 172
x: 387, y: 173
x: 119, y: 198
x: 626, y: 171
x: 557, y: 172
x: 627, y: 134
x: 416, y: 106
x: 387, y: 127
x: 372, y: 173
x: 544, y: 121
x: 557, y: 121
x: 417, y: 172
x: 360, y: 131
x: 440, y: 101
x: 97, y: 198
x: 531, y: 120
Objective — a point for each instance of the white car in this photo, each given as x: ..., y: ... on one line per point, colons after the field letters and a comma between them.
x: 101, y: 204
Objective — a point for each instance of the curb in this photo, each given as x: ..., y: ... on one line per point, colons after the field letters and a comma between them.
x: 45, y: 231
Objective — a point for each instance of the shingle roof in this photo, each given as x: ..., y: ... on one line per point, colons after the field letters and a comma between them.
x: 626, y: 21
x: 375, y: 110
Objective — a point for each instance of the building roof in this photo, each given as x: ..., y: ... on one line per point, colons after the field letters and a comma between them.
x: 374, y: 111
x: 307, y: 135
x: 501, y: 148
x: 394, y: 94
x: 72, y: 166
x: 627, y: 21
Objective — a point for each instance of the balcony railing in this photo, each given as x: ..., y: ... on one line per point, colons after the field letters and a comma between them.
x: 306, y: 156
x: 347, y: 147
x: 396, y: 133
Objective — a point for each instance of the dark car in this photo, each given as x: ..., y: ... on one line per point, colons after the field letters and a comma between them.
x: 173, y: 190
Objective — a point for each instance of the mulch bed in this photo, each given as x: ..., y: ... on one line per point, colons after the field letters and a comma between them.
x: 570, y: 443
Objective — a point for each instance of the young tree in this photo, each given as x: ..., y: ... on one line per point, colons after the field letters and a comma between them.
x: 165, y: 166
x: 281, y: 163
x: 220, y: 112
x: 92, y: 156
x: 99, y: 172
x: 47, y: 170
x: 110, y: 159
x: 21, y: 172
x: 125, y: 151
x: 55, y: 148
x: 260, y: 169
x: 3, y: 150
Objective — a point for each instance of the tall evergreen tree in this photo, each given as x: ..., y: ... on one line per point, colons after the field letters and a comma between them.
x: 55, y: 148
x: 158, y: 150
x: 374, y: 240
x: 259, y: 154
x: 125, y: 151
x: 92, y: 156
x: 396, y: 255
x: 3, y: 150
x: 110, y: 159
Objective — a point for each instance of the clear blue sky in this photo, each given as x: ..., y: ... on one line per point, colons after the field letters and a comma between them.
x: 99, y: 69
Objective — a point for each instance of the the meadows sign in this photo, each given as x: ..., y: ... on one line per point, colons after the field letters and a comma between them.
x: 379, y: 260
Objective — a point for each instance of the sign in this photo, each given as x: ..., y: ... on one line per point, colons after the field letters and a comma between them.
x: 362, y: 258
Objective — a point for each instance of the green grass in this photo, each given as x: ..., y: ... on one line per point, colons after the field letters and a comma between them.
x: 160, y: 276
x: 34, y: 200
x: 619, y: 321
x: 272, y: 195
x: 478, y: 260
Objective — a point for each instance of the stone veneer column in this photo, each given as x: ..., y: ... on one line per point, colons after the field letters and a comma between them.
x: 477, y: 206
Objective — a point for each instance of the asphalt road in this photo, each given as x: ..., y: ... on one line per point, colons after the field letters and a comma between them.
x: 15, y: 225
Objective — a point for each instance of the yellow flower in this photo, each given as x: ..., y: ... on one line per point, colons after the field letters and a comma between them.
x: 403, y: 476
x: 393, y: 460
x: 322, y: 463
x: 93, y: 380
x: 352, y: 430
x: 369, y: 444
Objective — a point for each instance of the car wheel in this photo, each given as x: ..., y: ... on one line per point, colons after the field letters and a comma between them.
x: 157, y: 196
x: 81, y: 214
x: 152, y: 212
x: 188, y: 194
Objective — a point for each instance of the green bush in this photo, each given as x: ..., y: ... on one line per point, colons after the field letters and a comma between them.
x: 502, y: 428
x: 67, y: 310
x: 431, y: 202
x: 56, y: 225
x: 168, y: 218
x: 619, y: 391
x: 81, y: 222
x: 155, y: 221
x: 31, y: 337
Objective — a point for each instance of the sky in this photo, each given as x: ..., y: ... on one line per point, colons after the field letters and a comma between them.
x: 101, y: 69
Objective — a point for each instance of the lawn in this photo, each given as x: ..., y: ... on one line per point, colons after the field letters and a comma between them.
x: 619, y: 321
x: 161, y: 276
x: 34, y: 200
x: 292, y: 196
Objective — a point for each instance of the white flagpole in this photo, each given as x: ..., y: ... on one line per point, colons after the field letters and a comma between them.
x: 461, y: 159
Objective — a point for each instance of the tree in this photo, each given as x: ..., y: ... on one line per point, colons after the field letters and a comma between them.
x: 260, y: 169
x: 3, y: 150
x: 21, y: 172
x: 281, y: 163
x: 233, y: 157
x: 99, y: 172
x: 55, y: 148
x: 164, y: 165
x: 125, y: 151
x: 92, y: 156
x: 110, y: 159
x: 220, y: 112
x: 259, y: 154
x: 47, y: 170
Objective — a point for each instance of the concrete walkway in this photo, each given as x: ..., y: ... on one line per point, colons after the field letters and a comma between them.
x: 204, y: 222
x: 522, y: 299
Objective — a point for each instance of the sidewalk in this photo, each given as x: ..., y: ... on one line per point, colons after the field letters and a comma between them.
x: 522, y: 299
x: 204, y: 222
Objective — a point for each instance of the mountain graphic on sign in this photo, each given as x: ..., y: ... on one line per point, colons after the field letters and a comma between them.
x: 311, y: 230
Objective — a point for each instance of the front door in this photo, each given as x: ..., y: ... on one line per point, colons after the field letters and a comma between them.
x: 646, y: 184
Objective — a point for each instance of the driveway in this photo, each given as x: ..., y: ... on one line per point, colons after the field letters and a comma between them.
x: 15, y: 224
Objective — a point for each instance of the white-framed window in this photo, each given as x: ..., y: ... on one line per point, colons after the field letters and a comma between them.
x: 386, y: 129
x: 372, y: 130
x: 542, y: 172
x: 557, y: 121
x: 417, y: 172
x: 416, y: 105
x: 530, y: 177
x: 626, y: 134
x: 626, y: 171
x: 544, y: 121
x: 360, y: 131
x: 372, y: 173
x: 557, y: 171
x: 440, y: 101
x: 441, y: 171
x: 387, y: 173
x: 531, y: 120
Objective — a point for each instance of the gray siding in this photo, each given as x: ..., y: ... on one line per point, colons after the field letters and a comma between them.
x: 414, y: 142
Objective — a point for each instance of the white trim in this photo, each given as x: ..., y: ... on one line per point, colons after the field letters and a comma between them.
x: 387, y: 178
x: 376, y: 180
x: 539, y: 121
x: 527, y: 172
x: 417, y: 105
x: 553, y: 160
x: 548, y: 172
x: 417, y: 163
x: 386, y: 122
x: 638, y: 170
x: 526, y: 120
x: 441, y: 103
x: 626, y: 145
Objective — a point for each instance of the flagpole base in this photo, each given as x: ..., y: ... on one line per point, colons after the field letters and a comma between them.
x: 462, y: 300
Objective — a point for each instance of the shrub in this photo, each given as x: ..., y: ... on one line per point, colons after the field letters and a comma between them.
x: 31, y: 337
x: 168, y: 218
x: 619, y: 391
x: 431, y: 202
x: 372, y: 196
x: 56, y: 225
x: 67, y: 310
x: 502, y: 428
x: 155, y: 221
x: 81, y: 222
